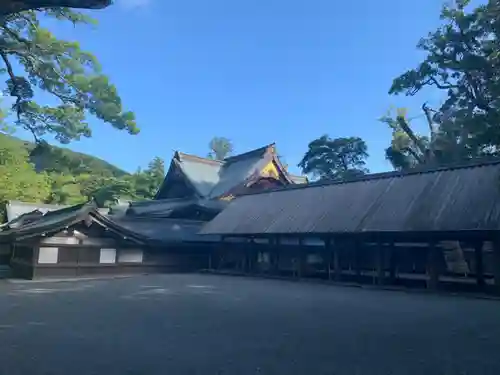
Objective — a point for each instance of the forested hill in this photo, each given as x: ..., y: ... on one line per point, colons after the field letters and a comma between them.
x: 61, y: 160
x: 44, y: 173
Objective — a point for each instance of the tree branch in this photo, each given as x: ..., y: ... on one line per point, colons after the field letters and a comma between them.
x: 16, y: 6
x: 433, y: 81
x: 406, y: 128
x: 13, y: 78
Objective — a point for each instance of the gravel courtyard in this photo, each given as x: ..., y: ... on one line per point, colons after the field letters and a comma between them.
x: 205, y: 324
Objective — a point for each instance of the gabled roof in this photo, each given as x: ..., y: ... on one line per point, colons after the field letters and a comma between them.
x: 164, y: 207
x: 50, y: 222
x: 212, y: 179
x: 157, y: 231
x: 452, y: 199
x: 54, y: 221
x: 22, y: 220
x: 15, y: 209
x: 146, y: 229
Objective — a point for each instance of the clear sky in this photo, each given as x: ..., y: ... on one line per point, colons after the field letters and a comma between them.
x: 255, y: 71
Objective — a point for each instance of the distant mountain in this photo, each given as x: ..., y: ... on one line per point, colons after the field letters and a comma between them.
x: 62, y: 160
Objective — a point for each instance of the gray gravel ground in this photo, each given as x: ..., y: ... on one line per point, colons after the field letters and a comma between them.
x: 206, y: 324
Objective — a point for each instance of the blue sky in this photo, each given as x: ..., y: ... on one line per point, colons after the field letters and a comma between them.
x: 255, y: 71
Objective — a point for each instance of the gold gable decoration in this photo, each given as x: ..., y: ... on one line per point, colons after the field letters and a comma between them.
x: 270, y: 170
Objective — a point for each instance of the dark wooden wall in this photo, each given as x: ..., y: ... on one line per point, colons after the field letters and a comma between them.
x: 84, y: 260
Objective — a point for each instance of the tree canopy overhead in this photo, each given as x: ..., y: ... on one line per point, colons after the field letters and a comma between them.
x: 463, y: 61
x: 335, y: 159
x: 16, y: 6
x: 33, y: 59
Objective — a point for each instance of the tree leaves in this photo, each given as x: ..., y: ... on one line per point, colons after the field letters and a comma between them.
x: 463, y: 60
x: 19, y: 179
x: 220, y: 148
x: 44, y: 173
x: 146, y: 183
x: 61, y: 68
x: 15, y: 6
x: 335, y: 159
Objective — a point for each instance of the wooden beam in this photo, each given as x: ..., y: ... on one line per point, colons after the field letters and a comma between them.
x: 433, y: 266
x: 391, y: 249
x: 253, y: 263
x: 479, y: 269
x: 336, y: 261
x: 328, y: 256
x: 380, y: 263
x: 276, y: 255
x: 300, y: 264
x: 357, y: 256
x: 496, y: 264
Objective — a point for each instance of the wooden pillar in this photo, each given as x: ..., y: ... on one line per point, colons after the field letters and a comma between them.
x: 328, y: 257
x: 253, y: 263
x: 433, y: 266
x: 300, y: 265
x: 248, y: 256
x: 245, y: 259
x: 277, y: 249
x: 380, y: 263
x: 496, y: 264
x: 336, y: 261
x: 357, y: 259
x: 391, y: 249
x: 479, y: 271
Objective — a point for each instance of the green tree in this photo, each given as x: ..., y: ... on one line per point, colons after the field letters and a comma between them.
x: 19, y: 180
x: 220, y: 148
x: 463, y: 61
x: 146, y: 183
x: 441, y: 146
x: 335, y: 159
x: 16, y: 6
x: 64, y: 189
x: 105, y: 190
x: 407, y: 149
x: 34, y: 60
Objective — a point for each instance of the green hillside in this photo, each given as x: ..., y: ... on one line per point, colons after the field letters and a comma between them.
x: 43, y: 173
x: 61, y: 160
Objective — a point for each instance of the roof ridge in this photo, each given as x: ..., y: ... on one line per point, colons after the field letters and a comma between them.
x: 244, y: 155
x: 153, y: 202
x: 90, y: 205
x: 182, y: 155
x: 477, y: 163
x: 166, y: 220
x: 36, y: 204
x: 198, y: 158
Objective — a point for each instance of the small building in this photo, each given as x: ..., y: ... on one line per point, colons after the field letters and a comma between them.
x: 15, y: 214
x: 80, y: 241
x: 428, y: 223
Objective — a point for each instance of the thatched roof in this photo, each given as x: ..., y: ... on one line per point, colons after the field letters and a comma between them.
x: 460, y: 198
